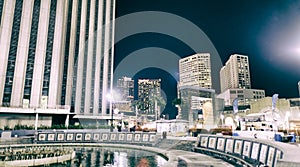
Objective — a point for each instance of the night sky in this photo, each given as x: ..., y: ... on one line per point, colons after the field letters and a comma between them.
x: 267, y: 31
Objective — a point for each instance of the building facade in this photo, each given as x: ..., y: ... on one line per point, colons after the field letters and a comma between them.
x: 124, y: 94
x: 245, y: 96
x: 195, y: 70
x: 235, y: 73
x: 287, y: 111
x: 148, y: 92
x: 198, y: 106
x: 125, y: 88
x: 56, y: 53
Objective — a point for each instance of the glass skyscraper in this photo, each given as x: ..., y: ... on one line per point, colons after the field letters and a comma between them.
x: 57, y: 53
x: 148, y: 91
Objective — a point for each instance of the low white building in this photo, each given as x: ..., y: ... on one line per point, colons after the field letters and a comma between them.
x: 174, y: 127
x: 245, y: 96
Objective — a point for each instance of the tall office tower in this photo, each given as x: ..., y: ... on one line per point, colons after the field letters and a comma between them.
x: 57, y: 52
x: 148, y: 90
x: 235, y: 73
x: 195, y: 70
x: 125, y: 88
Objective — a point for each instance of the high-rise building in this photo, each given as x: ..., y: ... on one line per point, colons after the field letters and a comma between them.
x: 125, y: 88
x: 195, y: 70
x: 235, y: 73
x: 57, y: 52
x: 124, y: 94
x: 148, y: 90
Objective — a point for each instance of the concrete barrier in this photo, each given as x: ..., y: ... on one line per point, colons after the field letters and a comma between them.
x: 248, y: 151
x: 83, y: 136
x: 42, y: 161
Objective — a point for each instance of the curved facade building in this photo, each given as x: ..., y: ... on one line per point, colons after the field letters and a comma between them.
x: 56, y: 53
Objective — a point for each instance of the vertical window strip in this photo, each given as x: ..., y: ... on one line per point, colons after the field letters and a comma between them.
x: 76, y: 52
x: 67, y: 46
x: 94, y: 53
x: 1, y: 8
x: 96, y: 15
x: 32, y: 49
x: 102, y: 55
x: 47, y: 68
x: 85, y: 54
x: 14, y: 39
x: 110, y: 43
x: 87, y: 20
x: 104, y: 12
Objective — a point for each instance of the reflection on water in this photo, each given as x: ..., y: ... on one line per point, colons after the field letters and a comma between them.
x: 113, y: 157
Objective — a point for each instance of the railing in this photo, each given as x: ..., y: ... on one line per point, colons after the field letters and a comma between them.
x: 12, y: 108
x: 12, y: 141
x: 84, y: 136
x: 247, y: 151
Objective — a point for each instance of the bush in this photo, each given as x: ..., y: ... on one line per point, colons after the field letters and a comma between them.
x: 6, y: 127
x: 44, y: 127
x: 58, y: 126
x: 75, y: 127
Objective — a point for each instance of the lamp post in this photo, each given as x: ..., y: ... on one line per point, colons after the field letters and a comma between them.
x: 111, y: 121
x: 36, y: 119
x: 222, y: 119
x: 111, y: 110
x: 287, y: 117
x: 237, y: 119
x: 122, y: 114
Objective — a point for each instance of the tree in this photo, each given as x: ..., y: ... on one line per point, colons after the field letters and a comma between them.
x: 177, y: 102
x: 159, y: 102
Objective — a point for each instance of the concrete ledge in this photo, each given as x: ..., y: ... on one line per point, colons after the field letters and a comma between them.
x: 39, y: 162
x: 174, y: 157
x: 249, y: 151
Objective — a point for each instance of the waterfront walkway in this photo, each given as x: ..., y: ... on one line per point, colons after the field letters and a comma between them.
x: 191, y: 159
x: 176, y: 158
x: 178, y: 150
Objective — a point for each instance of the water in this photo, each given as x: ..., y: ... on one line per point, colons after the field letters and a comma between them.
x: 113, y: 157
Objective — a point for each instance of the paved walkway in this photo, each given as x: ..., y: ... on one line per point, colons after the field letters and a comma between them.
x: 177, y: 158
x: 191, y: 159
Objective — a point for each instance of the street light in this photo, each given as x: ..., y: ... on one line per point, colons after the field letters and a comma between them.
x: 222, y: 118
x: 114, y: 110
x: 287, y: 117
x: 111, y: 109
x: 122, y: 114
x: 111, y: 122
x: 237, y: 119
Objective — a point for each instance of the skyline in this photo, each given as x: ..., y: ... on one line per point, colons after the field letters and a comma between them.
x: 233, y: 27
x: 150, y: 40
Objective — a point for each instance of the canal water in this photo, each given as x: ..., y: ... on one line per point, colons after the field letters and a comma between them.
x: 113, y: 157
